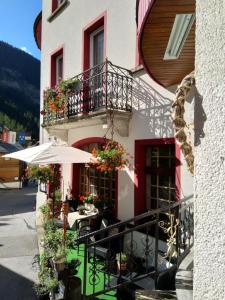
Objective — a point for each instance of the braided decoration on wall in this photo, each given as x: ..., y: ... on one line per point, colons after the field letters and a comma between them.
x: 181, y: 95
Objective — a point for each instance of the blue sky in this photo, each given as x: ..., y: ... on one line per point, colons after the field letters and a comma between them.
x: 16, y: 24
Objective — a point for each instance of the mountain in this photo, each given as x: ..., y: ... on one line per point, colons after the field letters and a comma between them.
x: 19, y: 90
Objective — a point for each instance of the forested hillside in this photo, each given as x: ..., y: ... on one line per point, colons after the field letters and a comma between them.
x: 19, y: 90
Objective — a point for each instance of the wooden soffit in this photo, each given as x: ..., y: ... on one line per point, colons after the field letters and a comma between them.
x: 154, y: 37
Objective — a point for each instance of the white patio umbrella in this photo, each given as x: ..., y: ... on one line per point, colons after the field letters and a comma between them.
x: 52, y: 153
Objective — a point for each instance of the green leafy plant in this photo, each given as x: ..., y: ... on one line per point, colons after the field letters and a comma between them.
x: 58, y: 195
x: 88, y: 198
x: 44, y: 209
x: 55, y: 98
x: 42, y: 173
x: 69, y: 85
x: 47, y: 280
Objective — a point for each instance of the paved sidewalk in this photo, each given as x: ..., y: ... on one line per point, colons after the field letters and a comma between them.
x: 18, y: 244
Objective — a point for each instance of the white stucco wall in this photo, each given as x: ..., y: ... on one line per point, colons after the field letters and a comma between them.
x: 209, y: 255
x: 151, y: 103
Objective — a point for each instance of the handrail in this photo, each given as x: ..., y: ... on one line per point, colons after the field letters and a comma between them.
x: 111, y: 247
x: 134, y: 219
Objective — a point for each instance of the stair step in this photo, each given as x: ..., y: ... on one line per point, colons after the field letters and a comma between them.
x: 155, y: 295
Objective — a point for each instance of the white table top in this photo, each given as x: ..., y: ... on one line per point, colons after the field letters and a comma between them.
x: 75, y: 216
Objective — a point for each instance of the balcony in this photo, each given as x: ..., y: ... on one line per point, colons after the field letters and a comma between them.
x: 99, y: 91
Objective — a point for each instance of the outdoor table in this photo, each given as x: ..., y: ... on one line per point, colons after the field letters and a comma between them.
x: 74, y: 217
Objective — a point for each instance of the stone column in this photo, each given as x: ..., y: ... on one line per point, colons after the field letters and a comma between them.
x: 209, y: 256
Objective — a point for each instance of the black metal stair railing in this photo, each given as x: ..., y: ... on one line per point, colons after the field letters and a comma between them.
x: 105, y: 86
x: 104, y: 249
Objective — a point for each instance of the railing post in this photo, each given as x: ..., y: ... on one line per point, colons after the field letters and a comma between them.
x: 85, y: 269
x: 156, y: 248
x: 106, y: 85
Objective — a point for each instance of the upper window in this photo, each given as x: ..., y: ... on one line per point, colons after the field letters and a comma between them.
x: 94, y: 46
x: 97, y: 47
x: 57, y: 67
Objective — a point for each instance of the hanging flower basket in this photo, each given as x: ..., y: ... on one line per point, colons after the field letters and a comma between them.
x: 112, y: 157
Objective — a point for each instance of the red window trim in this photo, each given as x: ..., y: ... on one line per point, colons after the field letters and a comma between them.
x: 140, y: 185
x: 75, y: 170
x: 87, y: 30
x: 54, y: 55
x: 54, y: 5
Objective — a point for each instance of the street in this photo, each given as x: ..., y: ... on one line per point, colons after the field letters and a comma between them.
x: 18, y: 244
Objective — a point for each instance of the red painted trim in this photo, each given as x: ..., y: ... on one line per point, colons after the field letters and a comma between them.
x: 54, y: 5
x: 88, y: 141
x: 140, y: 36
x: 139, y: 183
x: 38, y: 30
x: 53, y: 55
x: 101, y: 20
x: 75, y: 172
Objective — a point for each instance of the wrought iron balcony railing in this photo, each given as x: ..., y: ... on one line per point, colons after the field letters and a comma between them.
x: 103, y: 87
x: 154, y: 242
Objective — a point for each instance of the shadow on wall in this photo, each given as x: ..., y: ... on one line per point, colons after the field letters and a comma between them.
x: 199, y: 119
x: 14, y: 286
x: 153, y: 108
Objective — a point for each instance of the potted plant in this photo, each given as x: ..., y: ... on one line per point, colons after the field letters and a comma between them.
x: 88, y: 199
x: 60, y: 259
x: 42, y: 173
x: 45, y: 210
x: 70, y: 85
x: 41, y: 291
x: 47, y: 282
x: 121, y: 261
x: 112, y: 157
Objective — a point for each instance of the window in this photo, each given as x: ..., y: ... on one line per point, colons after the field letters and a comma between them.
x: 57, y: 67
x: 157, y: 173
x: 94, y: 46
x: 160, y: 176
x: 97, y: 47
x: 96, y: 182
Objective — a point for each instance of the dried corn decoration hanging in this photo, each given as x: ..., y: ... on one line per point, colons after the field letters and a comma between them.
x: 180, y: 125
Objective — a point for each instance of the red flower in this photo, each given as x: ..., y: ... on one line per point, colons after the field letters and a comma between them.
x: 81, y: 198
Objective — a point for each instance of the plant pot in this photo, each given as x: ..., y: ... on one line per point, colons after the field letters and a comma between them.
x: 60, y: 264
x: 81, y: 211
x: 89, y: 206
x: 44, y: 297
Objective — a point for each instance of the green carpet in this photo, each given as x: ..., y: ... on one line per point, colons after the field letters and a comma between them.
x: 99, y: 286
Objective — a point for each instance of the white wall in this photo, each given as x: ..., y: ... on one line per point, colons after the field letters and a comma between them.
x: 151, y: 102
x: 209, y: 255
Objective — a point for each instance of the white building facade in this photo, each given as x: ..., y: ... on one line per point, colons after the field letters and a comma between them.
x: 76, y: 36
